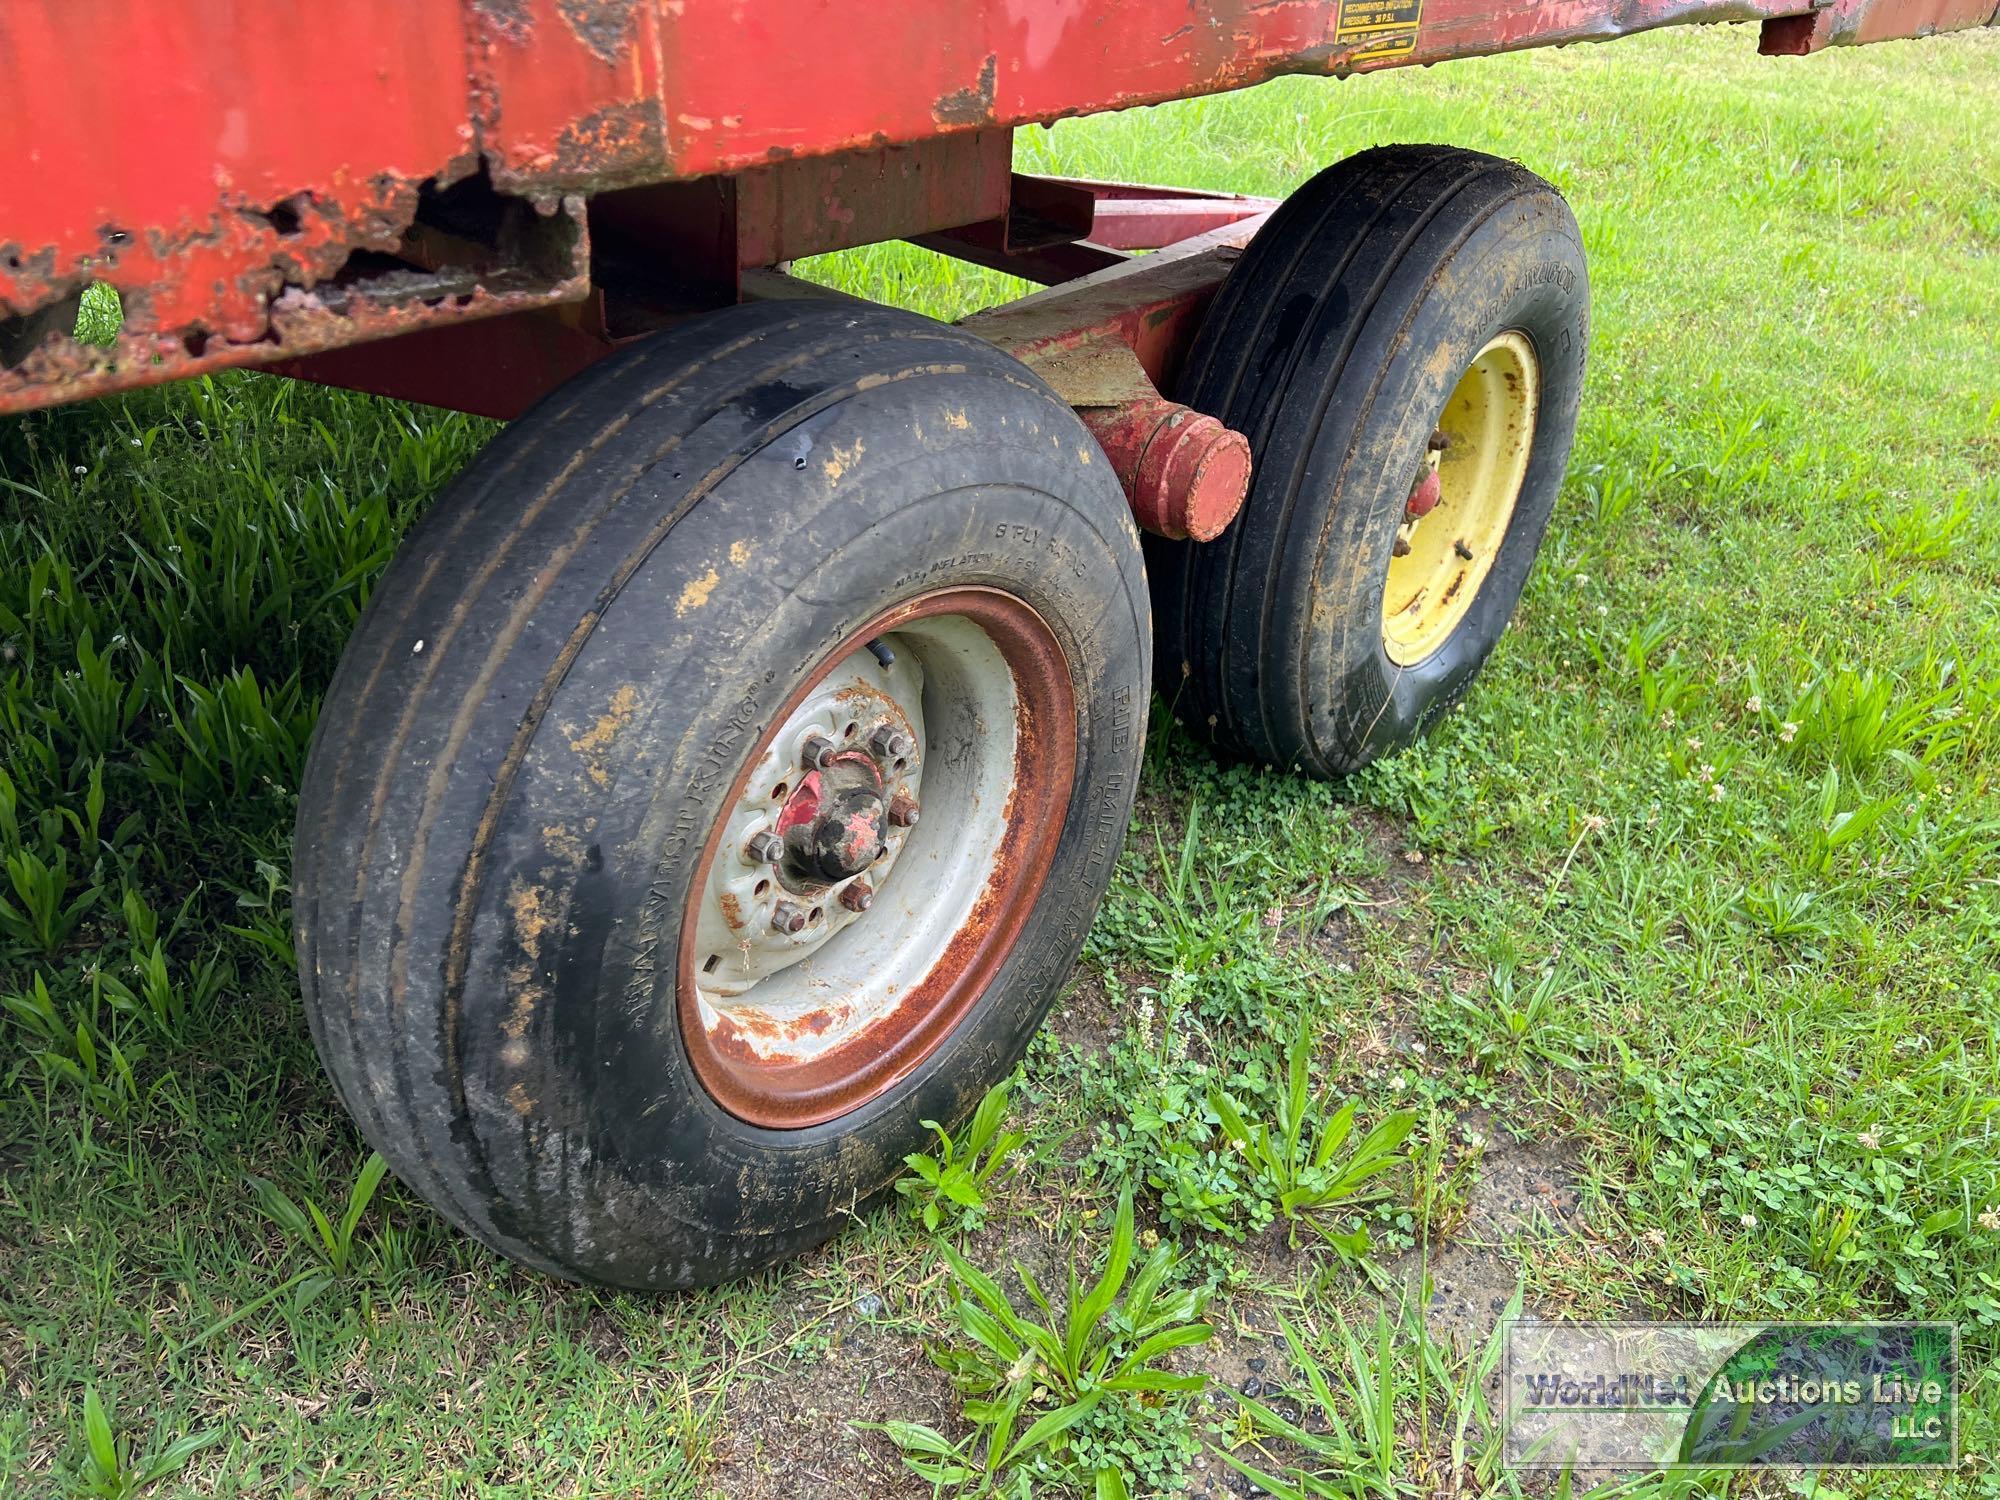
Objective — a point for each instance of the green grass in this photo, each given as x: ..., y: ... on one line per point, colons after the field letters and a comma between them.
x: 1689, y: 916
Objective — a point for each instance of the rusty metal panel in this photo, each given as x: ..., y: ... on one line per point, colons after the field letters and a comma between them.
x: 232, y: 165
x: 198, y: 167
x: 248, y: 176
x: 565, y: 94
x: 910, y: 70
x: 1854, y: 22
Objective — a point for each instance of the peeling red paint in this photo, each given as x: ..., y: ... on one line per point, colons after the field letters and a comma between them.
x: 1185, y: 473
x: 301, y: 323
x: 1148, y: 305
x: 802, y: 806
x: 211, y: 171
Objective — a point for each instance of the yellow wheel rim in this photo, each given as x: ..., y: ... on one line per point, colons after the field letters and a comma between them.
x: 1488, y: 427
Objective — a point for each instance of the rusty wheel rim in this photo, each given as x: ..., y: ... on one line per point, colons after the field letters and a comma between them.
x: 815, y: 973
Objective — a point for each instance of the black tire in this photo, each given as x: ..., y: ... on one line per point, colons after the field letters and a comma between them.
x: 653, y: 534
x: 1333, y: 347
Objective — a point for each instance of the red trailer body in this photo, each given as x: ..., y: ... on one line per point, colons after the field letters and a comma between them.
x: 720, y: 781
x: 268, y: 182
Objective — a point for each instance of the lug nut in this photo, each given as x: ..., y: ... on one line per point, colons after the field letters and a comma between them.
x: 903, y: 811
x: 857, y: 896
x: 815, y: 752
x: 788, y: 919
x: 889, y: 743
x: 1464, y: 552
x: 764, y: 849
x: 1400, y: 547
x: 1439, y: 441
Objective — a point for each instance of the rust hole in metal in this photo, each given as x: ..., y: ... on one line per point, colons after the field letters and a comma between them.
x: 285, y: 218
x: 321, y: 275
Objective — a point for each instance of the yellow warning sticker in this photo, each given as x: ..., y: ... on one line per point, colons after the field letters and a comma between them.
x: 1377, y: 30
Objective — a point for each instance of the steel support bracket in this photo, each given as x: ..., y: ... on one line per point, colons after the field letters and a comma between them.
x: 1107, y: 344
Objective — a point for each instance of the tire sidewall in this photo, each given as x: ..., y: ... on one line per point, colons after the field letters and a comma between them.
x: 1521, y: 270
x: 962, y: 478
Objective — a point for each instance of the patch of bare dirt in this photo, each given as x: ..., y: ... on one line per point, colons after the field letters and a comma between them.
x: 1084, y: 1017
x: 793, y: 1427
x: 791, y: 1430
x: 1523, y: 1193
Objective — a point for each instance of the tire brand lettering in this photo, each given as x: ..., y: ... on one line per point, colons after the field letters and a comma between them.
x: 1552, y: 272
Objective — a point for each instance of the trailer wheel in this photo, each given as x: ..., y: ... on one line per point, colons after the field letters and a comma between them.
x: 1403, y: 343
x: 719, y: 786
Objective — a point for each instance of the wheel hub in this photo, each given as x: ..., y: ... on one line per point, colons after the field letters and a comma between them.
x: 832, y: 825
x: 1462, y: 499
x: 882, y: 850
x: 813, y: 817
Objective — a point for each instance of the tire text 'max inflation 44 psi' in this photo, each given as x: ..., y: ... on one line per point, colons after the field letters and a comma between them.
x: 719, y: 785
x: 1403, y: 344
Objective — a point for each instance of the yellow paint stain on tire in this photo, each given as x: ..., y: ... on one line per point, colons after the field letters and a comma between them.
x: 695, y: 595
